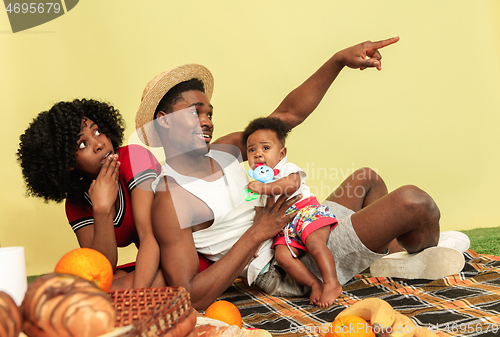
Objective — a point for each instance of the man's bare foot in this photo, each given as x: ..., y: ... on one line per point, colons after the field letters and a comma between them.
x: 329, y: 294
x: 316, y: 290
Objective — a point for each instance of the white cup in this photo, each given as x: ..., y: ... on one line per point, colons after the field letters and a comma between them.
x: 13, y: 272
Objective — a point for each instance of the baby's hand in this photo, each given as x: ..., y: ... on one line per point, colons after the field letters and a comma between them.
x: 256, y: 187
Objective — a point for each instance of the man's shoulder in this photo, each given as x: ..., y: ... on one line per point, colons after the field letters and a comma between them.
x: 169, y: 189
x: 169, y: 194
x: 230, y: 143
x: 179, y: 207
x: 166, y: 184
x: 226, y: 151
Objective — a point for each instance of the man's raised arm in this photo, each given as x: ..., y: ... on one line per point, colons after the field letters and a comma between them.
x: 179, y: 259
x: 302, y: 101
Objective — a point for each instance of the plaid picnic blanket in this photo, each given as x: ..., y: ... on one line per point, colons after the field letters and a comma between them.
x: 464, y: 304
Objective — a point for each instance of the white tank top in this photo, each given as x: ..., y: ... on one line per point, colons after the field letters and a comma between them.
x: 232, y: 214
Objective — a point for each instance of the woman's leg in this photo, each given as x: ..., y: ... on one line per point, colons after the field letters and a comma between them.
x: 123, y: 280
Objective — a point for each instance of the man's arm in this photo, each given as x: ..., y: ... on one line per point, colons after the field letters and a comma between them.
x: 302, y: 101
x: 148, y: 255
x: 179, y: 259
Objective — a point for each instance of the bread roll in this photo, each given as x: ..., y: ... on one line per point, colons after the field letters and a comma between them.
x: 65, y: 305
x: 207, y: 327
x: 10, y: 317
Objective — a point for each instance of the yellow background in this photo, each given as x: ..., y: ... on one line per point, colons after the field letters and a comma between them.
x: 429, y: 118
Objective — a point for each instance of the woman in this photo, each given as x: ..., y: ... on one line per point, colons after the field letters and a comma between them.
x: 73, y: 152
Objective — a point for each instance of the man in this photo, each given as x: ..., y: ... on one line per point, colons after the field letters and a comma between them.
x: 199, y: 203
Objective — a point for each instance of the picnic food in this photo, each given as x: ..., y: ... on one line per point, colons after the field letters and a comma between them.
x: 403, y: 326
x: 350, y: 326
x: 224, y: 311
x: 207, y: 327
x: 384, y: 319
x: 10, y: 317
x: 66, y: 305
x: 378, y: 312
x: 89, y: 264
x: 163, y: 311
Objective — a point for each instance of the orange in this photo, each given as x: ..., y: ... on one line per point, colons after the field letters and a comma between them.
x: 88, y: 264
x: 350, y: 326
x: 224, y: 311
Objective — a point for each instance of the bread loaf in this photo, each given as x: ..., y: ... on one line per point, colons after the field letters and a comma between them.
x: 65, y: 305
x: 10, y: 317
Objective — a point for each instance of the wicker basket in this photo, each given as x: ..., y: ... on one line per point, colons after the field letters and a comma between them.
x: 154, y: 311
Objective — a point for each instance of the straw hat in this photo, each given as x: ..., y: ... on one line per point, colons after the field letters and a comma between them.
x: 157, y: 88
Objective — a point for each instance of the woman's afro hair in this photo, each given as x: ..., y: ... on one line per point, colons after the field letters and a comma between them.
x: 48, y: 146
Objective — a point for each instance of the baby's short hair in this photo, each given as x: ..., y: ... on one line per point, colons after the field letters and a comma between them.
x: 266, y: 123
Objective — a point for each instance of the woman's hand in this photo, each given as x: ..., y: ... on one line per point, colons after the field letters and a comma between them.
x: 103, y: 193
x: 104, y: 189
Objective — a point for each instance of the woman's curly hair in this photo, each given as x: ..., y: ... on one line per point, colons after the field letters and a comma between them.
x: 48, y: 146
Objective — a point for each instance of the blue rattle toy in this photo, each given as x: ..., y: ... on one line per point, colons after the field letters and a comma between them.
x: 262, y: 173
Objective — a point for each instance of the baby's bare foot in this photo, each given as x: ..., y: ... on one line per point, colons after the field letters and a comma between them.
x: 316, y: 290
x: 329, y: 294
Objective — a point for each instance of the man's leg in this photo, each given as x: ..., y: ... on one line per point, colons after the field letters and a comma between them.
x: 412, y: 217
x: 361, y: 238
x: 407, y: 214
x: 407, y: 217
x: 368, y: 223
x: 359, y: 190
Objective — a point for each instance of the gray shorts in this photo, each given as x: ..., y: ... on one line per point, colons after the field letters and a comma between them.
x: 350, y: 254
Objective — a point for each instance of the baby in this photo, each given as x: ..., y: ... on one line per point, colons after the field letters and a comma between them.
x: 309, y: 230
